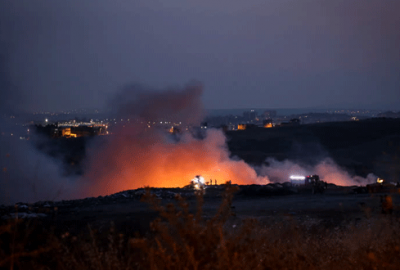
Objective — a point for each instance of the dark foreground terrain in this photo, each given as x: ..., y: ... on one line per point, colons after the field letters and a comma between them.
x: 130, y: 213
x: 280, y: 226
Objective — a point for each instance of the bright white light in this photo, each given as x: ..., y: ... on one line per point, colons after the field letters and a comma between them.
x: 297, y: 177
x: 198, y: 182
x: 198, y: 179
x: 201, y: 180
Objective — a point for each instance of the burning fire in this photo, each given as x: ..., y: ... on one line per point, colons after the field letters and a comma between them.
x: 154, y: 161
x: 138, y: 156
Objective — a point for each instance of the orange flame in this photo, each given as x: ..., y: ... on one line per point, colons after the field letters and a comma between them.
x: 153, y: 161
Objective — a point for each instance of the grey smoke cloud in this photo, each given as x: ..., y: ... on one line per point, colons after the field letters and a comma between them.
x: 28, y: 175
x: 135, y: 155
x: 139, y: 155
x: 172, y: 104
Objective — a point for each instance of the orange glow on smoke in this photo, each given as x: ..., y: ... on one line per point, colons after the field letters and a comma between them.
x: 150, y: 160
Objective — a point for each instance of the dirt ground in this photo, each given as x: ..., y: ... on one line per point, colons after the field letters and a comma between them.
x: 129, y: 215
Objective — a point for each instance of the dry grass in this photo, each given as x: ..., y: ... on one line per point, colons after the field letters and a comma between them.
x: 182, y: 240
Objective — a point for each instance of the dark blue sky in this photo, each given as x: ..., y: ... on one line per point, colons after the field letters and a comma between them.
x: 61, y: 55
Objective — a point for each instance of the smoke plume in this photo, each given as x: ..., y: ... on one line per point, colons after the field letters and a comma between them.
x: 141, y: 154
x: 28, y: 175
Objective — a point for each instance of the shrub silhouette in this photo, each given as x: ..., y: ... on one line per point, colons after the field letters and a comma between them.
x: 180, y: 239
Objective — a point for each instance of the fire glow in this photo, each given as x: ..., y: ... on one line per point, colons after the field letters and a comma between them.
x: 156, y: 162
x: 136, y: 157
x: 153, y: 161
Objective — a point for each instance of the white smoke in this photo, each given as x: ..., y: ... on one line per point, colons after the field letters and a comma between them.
x: 327, y: 169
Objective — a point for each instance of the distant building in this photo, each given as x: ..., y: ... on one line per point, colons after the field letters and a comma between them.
x: 247, y: 126
x: 231, y: 127
x: 292, y: 122
x: 295, y: 121
x: 267, y: 123
x: 241, y: 127
x: 389, y: 114
x: 66, y: 132
x: 251, y: 126
x: 249, y: 115
x: 269, y: 114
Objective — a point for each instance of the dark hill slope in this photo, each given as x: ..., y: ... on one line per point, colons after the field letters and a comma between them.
x: 371, y: 145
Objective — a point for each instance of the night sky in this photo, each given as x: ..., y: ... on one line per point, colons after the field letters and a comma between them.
x: 59, y: 55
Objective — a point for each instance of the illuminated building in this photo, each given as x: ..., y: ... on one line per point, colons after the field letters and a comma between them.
x: 241, y: 127
x: 267, y: 123
x: 66, y: 132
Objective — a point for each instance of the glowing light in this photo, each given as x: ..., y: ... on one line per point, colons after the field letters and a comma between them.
x: 198, y: 179
x: 380, y: 180
x: 241, y: 127
x: 198, y: 182
x: 166, y: 164
x: 268, y: 125
x: 297, y: 177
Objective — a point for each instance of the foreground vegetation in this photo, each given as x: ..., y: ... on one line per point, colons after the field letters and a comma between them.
x: 180, y: 239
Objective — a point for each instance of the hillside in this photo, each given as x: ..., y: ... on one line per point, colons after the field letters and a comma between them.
x: 362, y: 147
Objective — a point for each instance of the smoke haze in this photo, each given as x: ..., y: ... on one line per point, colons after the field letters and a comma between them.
x: 137, y: 156
x: 140, y: 154
x: 29, y: 175
x: 327, y: 169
